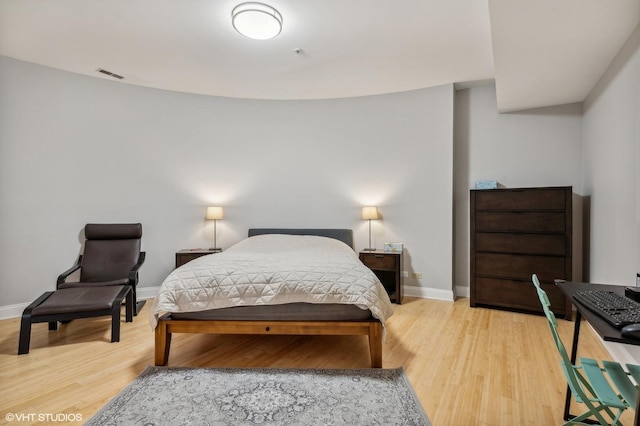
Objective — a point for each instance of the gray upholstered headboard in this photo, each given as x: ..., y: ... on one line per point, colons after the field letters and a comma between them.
x: 344, y: 235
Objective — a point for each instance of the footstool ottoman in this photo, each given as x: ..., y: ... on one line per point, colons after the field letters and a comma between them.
x: 73, y: 303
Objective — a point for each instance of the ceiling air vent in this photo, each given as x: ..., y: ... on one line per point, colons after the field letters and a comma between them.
x: 110, y: 74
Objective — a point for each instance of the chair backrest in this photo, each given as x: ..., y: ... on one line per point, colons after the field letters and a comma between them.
x: 110, y: 251
x: 570, y: 373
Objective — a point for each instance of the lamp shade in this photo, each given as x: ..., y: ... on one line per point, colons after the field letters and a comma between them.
x: 258, y: 21
x: 369, y: 213
x: 214, y: 213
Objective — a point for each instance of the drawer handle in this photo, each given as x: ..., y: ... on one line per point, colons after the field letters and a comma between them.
x: 379, y: 256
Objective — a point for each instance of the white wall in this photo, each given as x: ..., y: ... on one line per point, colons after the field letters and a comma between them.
x: 532, y: 148
x: 611, y: 129
x: 76, y: 149
x: 611, y: 147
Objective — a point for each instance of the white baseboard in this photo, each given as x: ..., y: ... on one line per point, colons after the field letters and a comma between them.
x: 620, y: 352
x: 463, y: 291
x: 428, y: 293
x: 147, y: 292
x: 13, y: 311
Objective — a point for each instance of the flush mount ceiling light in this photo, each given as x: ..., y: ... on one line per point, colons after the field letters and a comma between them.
x: 256, y: 20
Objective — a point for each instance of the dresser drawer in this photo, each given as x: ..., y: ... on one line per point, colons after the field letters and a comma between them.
x: 539, y: 199
x: 520, y: 267
x: 518, y: 295
x: 521, y: 221
x: 379, y: 261
x: 555, y: 245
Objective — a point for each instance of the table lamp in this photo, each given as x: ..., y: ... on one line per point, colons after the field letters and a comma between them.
x: 370, y: 213
x: 215, y: 214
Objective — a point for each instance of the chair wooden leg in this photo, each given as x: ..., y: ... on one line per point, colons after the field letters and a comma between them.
x: 115, y: 323
x: 25, y: 334
x: 137, y: 304
x: 115, y: 312
x: 129, y: 306
x: 25, y: 324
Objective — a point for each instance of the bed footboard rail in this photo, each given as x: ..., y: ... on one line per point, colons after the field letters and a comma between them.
x: 167, y: 326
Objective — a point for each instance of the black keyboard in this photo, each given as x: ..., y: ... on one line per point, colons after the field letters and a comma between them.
x: 615, y: 309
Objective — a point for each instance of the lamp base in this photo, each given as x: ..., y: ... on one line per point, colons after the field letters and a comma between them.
x: 214, y: 249
x: 369, y: 249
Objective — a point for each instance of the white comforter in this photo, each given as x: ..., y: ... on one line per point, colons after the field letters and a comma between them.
x: 270, y: 270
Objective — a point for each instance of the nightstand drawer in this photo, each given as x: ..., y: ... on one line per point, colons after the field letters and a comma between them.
x: 186, y: 256
x: 379, y: 261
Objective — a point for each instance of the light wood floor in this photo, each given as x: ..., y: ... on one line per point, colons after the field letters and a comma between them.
x: 468, y: 366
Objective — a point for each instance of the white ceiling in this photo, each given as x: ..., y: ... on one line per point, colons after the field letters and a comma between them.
x: 540, y: 52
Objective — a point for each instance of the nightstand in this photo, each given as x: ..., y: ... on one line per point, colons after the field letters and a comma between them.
x: 388, y: 268
x: 187, y: 255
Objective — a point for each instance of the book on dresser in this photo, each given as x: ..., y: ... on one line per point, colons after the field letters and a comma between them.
x: 517, y: 232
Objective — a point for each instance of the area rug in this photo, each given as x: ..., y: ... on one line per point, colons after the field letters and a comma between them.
x: 259, y: 396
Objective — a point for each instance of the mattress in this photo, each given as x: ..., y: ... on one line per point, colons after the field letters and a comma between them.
x: 268, y: 270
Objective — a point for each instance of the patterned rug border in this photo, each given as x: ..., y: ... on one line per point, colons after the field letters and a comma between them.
x: 289, y: 400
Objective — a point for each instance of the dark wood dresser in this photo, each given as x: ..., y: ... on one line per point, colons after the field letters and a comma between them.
x: 515, y: 233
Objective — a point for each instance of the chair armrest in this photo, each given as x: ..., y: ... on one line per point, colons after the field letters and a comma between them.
x: 133, y: 274
x: 63, y: 276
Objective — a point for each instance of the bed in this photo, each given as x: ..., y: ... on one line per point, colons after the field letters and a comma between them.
x: 276, y: 281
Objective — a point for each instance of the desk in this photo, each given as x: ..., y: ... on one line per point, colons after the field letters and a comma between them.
x: 603, y: 328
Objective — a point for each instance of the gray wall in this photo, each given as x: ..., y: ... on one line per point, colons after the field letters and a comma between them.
x: 596, y: 151
x: 76, y: 149
x: 611, y: 179
x: 532, y: 148
x: 611, y: 129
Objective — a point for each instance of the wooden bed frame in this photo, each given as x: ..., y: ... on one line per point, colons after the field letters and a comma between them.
x: 371, y: 327
x: 167, y: 326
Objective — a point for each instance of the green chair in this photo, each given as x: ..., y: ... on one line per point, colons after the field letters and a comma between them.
x: 588, y: 381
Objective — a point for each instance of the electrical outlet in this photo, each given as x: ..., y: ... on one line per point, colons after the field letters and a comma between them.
x: 417, y: 275
x: 405, y: 274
